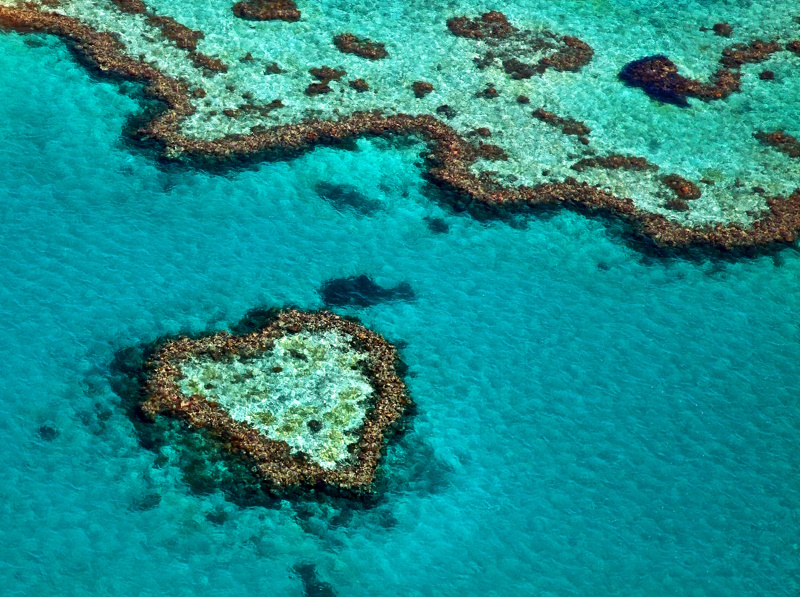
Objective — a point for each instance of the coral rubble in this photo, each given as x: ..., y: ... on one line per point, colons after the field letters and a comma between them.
x: 308, y: 399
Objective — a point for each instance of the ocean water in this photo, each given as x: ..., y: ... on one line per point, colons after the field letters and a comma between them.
x: 591, y: 420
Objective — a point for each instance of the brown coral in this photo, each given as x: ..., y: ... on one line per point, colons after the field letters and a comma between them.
x: 365, y: 48
x: 267, y: 10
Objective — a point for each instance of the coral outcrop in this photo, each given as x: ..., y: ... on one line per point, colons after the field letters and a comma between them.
x: 365, y: 48
x: 308, y: 399
x: 267, y: 10
x: 521, y: 53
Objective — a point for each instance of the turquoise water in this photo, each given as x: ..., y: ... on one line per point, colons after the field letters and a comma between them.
x: 590, y: 420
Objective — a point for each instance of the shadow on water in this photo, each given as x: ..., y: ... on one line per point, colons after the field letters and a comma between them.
x: 362, y: 291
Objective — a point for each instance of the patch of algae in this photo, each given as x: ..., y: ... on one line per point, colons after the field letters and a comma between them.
x: 308, y: 391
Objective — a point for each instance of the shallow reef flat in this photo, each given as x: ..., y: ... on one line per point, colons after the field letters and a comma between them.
x: 308, y: 398
x: 520, y: 108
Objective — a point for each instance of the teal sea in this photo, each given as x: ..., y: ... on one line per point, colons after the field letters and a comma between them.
x: 591, y: 419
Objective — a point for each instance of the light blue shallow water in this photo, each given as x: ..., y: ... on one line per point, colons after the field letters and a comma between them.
x: 590, y: 421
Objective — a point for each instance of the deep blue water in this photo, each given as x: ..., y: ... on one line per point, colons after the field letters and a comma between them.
x: 590, y: 420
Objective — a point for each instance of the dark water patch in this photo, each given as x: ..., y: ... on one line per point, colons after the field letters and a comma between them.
x: 145, y: 502
x: 48, y: 432
x: 313, y: 586
x: 362, y: 291
x: 217, y: 516
x: 437, y: 225
x: 345, y: 197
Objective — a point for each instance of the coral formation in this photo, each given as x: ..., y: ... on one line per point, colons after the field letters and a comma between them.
x: 451, y: 155
x: 521, y: 53
x: 568, y: 126
x: 308, y: 399
x: 365, y: 48
x: 684, y: 189
x: 780, y: 141
x: 184, y: 38
x: 267, y: 10
x: 421, y: 89
x: 658, y: 77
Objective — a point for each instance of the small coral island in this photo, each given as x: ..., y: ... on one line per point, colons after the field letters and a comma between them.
x: 308, y: 399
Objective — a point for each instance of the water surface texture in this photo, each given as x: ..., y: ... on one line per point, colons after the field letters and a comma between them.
x: 591, y: 420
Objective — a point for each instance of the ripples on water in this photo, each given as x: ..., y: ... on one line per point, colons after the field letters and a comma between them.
x: 590, y: 420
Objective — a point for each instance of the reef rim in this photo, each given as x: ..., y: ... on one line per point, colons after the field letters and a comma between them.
x: 273, y: 461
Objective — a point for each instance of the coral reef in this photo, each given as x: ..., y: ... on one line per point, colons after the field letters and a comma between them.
x: 184, y: 38
x: 568, y: 126
x: 614, y: 162
x: 521, y: 53
x: 722, y: 29
x: 421, y: 89
x: 267, y: 10
x: 684, y: 189
x: 780, y: 141
x: 365, y: 48
x: 756, y: 51
x: 658, y: 77
x: 359, y: 85
x: 451, y: 156
x: 308, y: 399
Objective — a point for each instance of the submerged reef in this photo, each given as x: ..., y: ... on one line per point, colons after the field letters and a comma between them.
x: 209, y: 116
x: 308, y: 399
x: 362, y: 291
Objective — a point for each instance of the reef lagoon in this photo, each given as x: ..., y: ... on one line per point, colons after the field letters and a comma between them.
x: 589, y: 274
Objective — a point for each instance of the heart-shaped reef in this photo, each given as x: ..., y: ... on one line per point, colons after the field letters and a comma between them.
x: 309, y: 398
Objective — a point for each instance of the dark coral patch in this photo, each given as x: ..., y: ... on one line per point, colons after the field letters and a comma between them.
x: 326, y: 73
x: 685, y: 189
x: 48, y: 432
x: 421, y: 89
x: 658, y: 77
x: 359, y: 85
x: 207, y: 63
x: 267, y: 10
x: 614, y: 162
x: 755, y: 51
x: 134, y: 7
x: 781, y: 141
x: 184, y: 38
x: 522, y: 54
x: 568, y: 126
x: 362, y: 291
x: 722, y: 29
x: 365, y: 48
